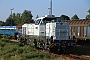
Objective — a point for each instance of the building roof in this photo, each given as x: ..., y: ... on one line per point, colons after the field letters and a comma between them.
x: 7, y: 27
x: 79, y: 22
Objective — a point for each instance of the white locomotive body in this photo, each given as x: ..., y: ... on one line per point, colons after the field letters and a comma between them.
x: 59, y: 31
x: 55, y: 32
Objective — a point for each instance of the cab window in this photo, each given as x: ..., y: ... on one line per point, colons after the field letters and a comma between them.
x: 58, y: 20
x: 37, y: 22
x: 43, y: 22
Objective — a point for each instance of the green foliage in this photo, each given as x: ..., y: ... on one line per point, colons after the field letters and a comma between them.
x: 88, y: 16
x: 3, y: 41
x: 18, y: 18
x: 10, y: 21
x: 37, y: 16
x: 2, y: 23
x: 10, y: 51
x: 88, y: 11
x: 27, y: 17
x: 7, y: 55
x: 75, y: 17
x: 2, y: 44
x: 19, y: 50
x: 14, y: 19
x: 64, y: 17
x: 4, y: 36
x: 36, y: 54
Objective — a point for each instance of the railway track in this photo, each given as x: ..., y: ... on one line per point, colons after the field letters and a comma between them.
x: 70, y: 56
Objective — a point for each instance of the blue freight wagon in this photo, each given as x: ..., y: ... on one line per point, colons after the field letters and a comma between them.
x: 7, y: 30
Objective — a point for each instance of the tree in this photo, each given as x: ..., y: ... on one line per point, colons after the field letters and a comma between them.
x: 27, y: 17
x: 10, y: 21
x: 88, y: 11
x: 75, y: 17
x: 88, y: 16
x: 64, y: 17
x: 14, y: 20
x: 37, y: 16
x: 2, y: 23
x: 18, y: 18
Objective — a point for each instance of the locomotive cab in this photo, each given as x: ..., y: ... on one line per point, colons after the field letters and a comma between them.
x: 40, y: 24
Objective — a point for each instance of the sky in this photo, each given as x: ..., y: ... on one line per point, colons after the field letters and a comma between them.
x: 40, y: 7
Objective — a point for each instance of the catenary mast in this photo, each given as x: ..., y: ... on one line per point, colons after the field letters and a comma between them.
x: 50, y: 12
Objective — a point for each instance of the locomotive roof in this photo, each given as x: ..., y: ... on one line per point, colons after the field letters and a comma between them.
x: 46, y: 16
x: 7, y: 26
x: 50, y: 18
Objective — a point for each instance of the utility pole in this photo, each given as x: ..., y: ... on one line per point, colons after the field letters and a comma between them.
x: 50, y: 12
x: 11, y: 21
x: 11, y: 15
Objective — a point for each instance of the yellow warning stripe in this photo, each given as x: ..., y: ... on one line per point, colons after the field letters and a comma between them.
x: 51, y: 45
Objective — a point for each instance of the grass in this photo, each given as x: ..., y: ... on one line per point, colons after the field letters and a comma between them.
x: 15, y: 51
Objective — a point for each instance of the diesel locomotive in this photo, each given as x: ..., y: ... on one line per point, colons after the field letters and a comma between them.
x: 50, y: 33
